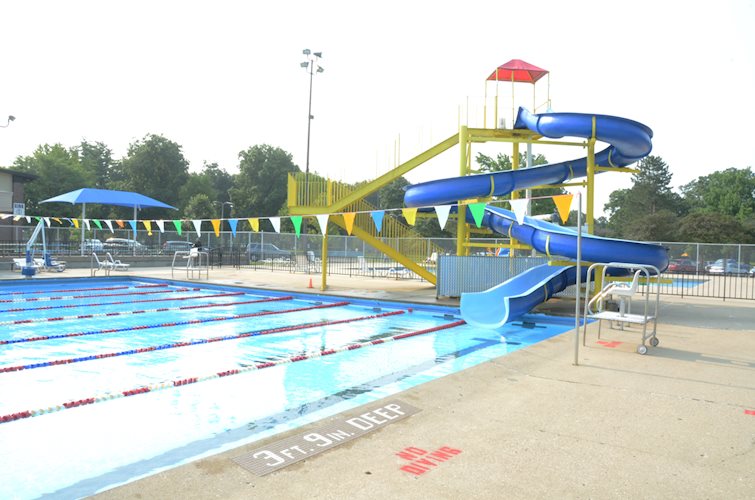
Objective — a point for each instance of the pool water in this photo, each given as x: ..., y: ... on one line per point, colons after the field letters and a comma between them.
x: 104, y: 381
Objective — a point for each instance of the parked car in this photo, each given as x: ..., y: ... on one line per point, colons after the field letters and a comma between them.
x: 752, y: 272
x: 176, y: 246
x: 729, y: 266
x: 123, y: 246
x: 261, y: 251
x: 682, y: 266
x: 93, y: 246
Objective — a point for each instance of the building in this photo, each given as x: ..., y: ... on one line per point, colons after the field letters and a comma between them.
x: 12, y: 199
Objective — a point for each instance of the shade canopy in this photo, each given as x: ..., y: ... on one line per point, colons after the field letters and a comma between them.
x: 108, y: 197
x: 517, y: 70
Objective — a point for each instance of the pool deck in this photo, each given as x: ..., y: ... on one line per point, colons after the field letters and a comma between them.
x: 678, y: 422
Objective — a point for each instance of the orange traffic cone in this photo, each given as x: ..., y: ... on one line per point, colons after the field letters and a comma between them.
x: 310, y: 283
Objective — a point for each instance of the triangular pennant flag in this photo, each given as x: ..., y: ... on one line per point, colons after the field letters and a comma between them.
x: 563, y: 204
x: 177, y: 224
x: 47, y: 221
x: 442, y: 211
x: 410, y: 214
x: 215, y: 226
x: 57, y: 219
x: 233, y: 223
x: 16, y: 218
x: 132, y: 223
x: 296, y: 220
x: 28, y: 219
x: 160, y: 225
x: 276, y: 222
x: 254, y: 223
x: 109, y: 225
x: 348, y: 218
x: 322, y: 220
x: 377, y: 218
x: 120, y: 223
x: 75, y: 223
x: 478, y: 210
x: 97, y: 223
x: 148, y: 226
x: 4, y: 216
x: 519, y: 207
x: 198, y: 226
x: 86, y: 224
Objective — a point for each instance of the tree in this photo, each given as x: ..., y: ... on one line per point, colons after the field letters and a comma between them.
x: 221, y: 181
x: 196, y: 184
x: 59, y: 171
x: 97, y: 159
x: 199, y: 206
x: 630, y: 210
x: 261, y: 186
x: 155, y: 167
x: 729, y: 192
x: 713, y: 228
x: 503, y: 162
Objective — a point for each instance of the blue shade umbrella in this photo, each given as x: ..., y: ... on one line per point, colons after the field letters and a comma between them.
x: 107, y: 197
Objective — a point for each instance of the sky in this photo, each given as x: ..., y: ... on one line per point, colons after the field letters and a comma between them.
x: 399, y: 76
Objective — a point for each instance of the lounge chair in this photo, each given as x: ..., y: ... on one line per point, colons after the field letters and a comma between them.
x: 50, y: 264
x: 117, y: 265
x: 20, y: 263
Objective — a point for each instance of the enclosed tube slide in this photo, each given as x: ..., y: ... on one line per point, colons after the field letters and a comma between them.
x: 629, y: 141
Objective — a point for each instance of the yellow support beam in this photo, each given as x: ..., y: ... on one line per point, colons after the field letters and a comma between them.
x: 462, y: 234
x: 590, y: 215
x: 617, y: 169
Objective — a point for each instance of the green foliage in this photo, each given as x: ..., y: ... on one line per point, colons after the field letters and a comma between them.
x: 97, y: 159
x: 220, y: 180
x: 155, y: 167
x: 59, y: 171
x: 199, y: 206
x: 197, y: 184
x: 730, y: 192
x: 714, y: 228
x: 261, y: 186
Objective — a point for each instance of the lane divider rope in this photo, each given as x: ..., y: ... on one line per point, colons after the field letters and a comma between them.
x: 125, y: 313
x: 92, y: 357
x: 253, y: 367
x: 71, y: 297
x: 151, y: 285
x: 69, y: 306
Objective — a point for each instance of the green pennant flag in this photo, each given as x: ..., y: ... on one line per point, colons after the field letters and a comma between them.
x: 97, y: 223
x: 296, y: 219
x: 478, y: 210
x: 177, y: 223
x: 38, y: 219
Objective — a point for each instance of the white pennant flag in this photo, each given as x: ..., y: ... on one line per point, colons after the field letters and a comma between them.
x: 47, y: 221
x: 86, y: 223
x: 442, y: 211
x: 161, y: 225
x: 198, y: 226
x: 28, y: 219
x: 519, y: 207
x: 109, y: 225
x: 322, y: 220
x: 276, y: 222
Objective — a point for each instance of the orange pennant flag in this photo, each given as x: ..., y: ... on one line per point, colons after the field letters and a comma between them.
x: 563, y: 204
x: 254, y: 223
x: 216, y: 226
x: 410, y: 214
x: 348, y: 218
x: 120, y: 224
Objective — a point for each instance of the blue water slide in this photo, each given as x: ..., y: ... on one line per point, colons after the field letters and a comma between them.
x: 628, y: 141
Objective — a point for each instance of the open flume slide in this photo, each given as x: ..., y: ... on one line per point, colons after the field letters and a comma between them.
x: 629, y: 141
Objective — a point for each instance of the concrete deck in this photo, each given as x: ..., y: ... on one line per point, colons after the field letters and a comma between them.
x: 678, y: 422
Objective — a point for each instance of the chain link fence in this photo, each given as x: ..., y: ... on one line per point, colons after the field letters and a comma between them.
x: 349, y: 256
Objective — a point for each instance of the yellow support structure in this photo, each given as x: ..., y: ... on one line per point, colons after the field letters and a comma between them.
x: 590, y: 212
x: 462, y: 234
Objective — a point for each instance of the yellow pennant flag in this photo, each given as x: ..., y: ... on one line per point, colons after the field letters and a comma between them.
x: 563, y: 204
x: 216, y: 226
x: 410, y: 214
x: 348, y: 218
x: 75, y: 223
x: 56, y: 219
x: 148, y: 226
x: 255, y: 224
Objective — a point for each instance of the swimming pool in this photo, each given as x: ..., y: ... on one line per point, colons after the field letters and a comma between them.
x: 108, y: 380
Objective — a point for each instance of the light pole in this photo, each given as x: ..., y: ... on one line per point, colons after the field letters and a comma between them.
x: 10, y: 119
x: 312, y: 66
x: 222, y: 209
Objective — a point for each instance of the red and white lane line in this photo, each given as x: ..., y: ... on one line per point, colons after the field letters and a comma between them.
x: 141, y: 311
x: 69, y: 306
x: 72, y: 297
x: 235, y: 371
x: 197, y: 321
x: 123, y: 287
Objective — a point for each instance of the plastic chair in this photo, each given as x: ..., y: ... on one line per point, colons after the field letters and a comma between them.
x: 625, y: 291
x: 116, y: 265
